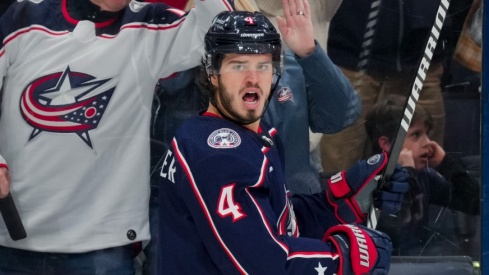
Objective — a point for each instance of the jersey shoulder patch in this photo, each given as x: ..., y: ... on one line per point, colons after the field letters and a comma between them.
x: 224, y: 138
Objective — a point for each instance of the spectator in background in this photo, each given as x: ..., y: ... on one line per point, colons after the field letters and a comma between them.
x: 436, y: 181
x: 77, y: 79
x: 469, y: 51
x: 399, y: 42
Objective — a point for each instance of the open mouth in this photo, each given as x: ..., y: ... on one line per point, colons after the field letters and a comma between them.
x: 424, y: 157
x: 251, y: 97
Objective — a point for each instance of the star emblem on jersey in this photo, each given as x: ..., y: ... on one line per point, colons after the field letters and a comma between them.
x: 223, y: 139
x: 285, y: 94
x: 320, y: 269
x: 66, y: 102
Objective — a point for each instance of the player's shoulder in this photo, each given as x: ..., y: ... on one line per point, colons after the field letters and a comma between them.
x: 34, y: 4
x: 23, y: 13
x: 206, y: 137
x: 152, y: 13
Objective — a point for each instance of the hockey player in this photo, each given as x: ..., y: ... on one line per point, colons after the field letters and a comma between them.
x: 224, y: 207
x: 78, y: 78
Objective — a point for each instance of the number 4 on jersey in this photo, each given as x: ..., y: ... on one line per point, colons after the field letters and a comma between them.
x: 227, y: 206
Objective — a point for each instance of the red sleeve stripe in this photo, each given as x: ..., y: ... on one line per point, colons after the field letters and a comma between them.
x: 14, y: 35
x: 151, y: 27
x: 2, y: 165
x: 325, y: 255
x: 281, y: 220
x: 267, y: 226
x: 158, y: 27
x: 185, y: 166
x: 283, y: 217
x: 2, y: 52
x: 177, y: 12
x: 228, y: 6
x: 261, y: 178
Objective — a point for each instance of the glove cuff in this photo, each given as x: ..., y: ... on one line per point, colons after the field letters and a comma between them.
x: 362, y: 251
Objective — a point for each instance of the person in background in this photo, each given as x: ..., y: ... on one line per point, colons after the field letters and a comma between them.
x: 436, y: 180
x: 469, y: 46
x: 397, y: 47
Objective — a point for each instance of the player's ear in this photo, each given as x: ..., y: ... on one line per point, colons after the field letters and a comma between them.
x: 384, y: 143
x: 214, y: 80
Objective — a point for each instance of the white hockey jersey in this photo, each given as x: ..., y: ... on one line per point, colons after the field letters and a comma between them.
x: 75, y: 114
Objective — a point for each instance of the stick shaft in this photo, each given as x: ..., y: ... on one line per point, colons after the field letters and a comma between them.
x: 411, y: 102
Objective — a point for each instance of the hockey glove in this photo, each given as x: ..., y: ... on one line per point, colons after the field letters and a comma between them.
x: 362, y: 250
x: 351, y: 192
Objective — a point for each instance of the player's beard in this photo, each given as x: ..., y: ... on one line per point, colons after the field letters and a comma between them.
x: 226, y: 99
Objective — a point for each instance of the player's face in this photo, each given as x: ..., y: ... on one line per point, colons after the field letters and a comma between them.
x: 418, y: 142
x: 243, y: 86
x: 111, y: 5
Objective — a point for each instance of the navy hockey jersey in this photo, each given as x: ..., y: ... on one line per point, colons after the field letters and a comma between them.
x: 224, y: 207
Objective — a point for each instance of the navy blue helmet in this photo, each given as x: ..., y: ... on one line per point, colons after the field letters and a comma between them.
x: 242, y: 32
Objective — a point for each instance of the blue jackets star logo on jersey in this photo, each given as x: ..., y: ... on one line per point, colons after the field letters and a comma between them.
x: 285, y: 94
x: 224, y: 138
x: 66, y: 102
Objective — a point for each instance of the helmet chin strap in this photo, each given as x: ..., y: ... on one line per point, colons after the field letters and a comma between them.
x: 213, y: 102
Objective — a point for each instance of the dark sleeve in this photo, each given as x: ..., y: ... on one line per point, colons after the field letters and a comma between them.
x: 333, y: 103
x: 232, y: 211
x: 314, y: 214
x: 462, y: 189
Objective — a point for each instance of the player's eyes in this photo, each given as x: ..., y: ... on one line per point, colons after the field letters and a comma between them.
x: 239, y: 67
x: 264, y: 67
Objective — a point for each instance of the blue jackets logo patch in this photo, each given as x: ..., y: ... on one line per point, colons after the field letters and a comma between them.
x: 285, y: 94
x: 223, y: 139
x: 66, y: 102
x: 373, y: 159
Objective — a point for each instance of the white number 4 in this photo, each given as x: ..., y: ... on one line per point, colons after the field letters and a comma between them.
x: 227, y: 206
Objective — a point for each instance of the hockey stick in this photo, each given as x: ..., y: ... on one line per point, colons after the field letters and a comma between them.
x: 11, y: 218
x: 398, y: 142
